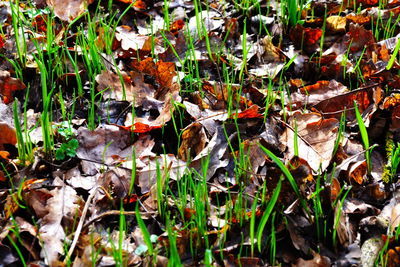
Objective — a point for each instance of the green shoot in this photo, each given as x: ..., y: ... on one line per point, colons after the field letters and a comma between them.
x: 145, y: 232
x: 289, y: 176
x: 267, y: 213
x: 364, y: 136
x: 393, y: 56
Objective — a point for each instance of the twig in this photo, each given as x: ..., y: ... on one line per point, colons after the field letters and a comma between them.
x: 81, y: 221
x: 113, y: 213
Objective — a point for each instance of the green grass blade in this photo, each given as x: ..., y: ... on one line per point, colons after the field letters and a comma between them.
x: 142, y: 226
x: 267, y: 213
x: 289, y: 176
x: 364, y: 136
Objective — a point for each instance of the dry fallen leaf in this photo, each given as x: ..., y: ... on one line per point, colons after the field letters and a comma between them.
x: 358, y: 172
x: 132, y: 89
x: 8, y: 85
x: 315, y: 93
x: 68, y: 10
x: 336, y: 23
x: 58, y: 212
x: 8, y: 135
x: 146, y: 173
x: 194, y: 140
x: 316, y: 139
x: 129, y: 39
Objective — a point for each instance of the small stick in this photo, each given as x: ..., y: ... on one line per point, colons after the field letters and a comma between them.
x: 113, y: 213
x: 79, y: 228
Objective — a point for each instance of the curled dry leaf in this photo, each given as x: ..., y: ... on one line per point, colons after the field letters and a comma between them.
x: 168, y: 95
x: 347, y: 225
x: 316, y: 139
x: 215, y: 150
x: 68, y: 10
x: 7, y: 136
x: 194, y: 140
x: 8, y: 85
x: 336, y: 23
x: 358, y: 172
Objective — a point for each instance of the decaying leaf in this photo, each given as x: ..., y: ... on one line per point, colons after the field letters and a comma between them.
x: 317, y: 261
x: 215, y: 150
x: 132, y: 88
x: 59, y: 212
x: 315, y: 93
x: 99, y: 145
x: 358, y: 172
x: 146, y: 174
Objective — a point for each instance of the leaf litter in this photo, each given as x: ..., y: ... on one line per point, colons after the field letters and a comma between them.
x: 122, y: 112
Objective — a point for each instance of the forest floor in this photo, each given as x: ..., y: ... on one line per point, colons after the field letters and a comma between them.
x: 199, y: 133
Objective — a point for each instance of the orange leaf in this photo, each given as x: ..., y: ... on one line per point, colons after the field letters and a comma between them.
x: 8, y: 135
x: 358, y: 18
x: 9, y: 85
x: 335, y: 189
x: 2, y: 41
x: 314, y: 87
x: 139, y: 4
x: 4, y: 155
x: 189, y: 213
x: 40, y: 23
x: 176, y: 26
x: 139, y: 127
x: 165, y: 73
x: 307, y: 36
x: 251, y: 112
x: 391, y: 101
x: 146, y: 66
x: 358, y: 172
x: 368, y: 2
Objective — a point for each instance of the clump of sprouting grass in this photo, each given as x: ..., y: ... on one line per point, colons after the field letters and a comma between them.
x: 393, y: 156
x: 339, y: 207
